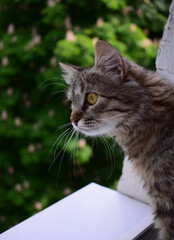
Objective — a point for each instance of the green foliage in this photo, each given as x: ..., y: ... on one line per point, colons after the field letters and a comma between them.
x: 34, y: 36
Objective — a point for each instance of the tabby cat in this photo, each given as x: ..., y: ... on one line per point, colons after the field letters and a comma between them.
x: 119, y: 98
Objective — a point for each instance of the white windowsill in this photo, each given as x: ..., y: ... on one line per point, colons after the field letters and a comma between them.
x: 92, y: 213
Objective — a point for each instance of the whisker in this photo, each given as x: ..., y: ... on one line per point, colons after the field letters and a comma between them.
x: 52, y: 84
x: 64, y: 150
x: 76, y: 154
x: 55, y: 78
x: 58, y: 139
x: 64, y: 145
x: 109, y: 149
x: 63, y: 126
x: 58, y: 83
x: 82, y: 174
x: 112, y: 157
x: 52, y: 94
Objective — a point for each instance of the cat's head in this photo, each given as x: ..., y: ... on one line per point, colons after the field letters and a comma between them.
x: 103, y: 96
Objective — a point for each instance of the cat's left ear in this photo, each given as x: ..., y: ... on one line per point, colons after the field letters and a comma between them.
x: 68, y: 71
x: 108, y: 59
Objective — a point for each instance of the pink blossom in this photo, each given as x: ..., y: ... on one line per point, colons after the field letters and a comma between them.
x: 133, y: 27
x: 27, y: 103
x: 38, y: 206
x: 11, y: 28
x: 53, y: 62
x: 18, y: 187
x: 97, y: 179
x: 139, y: 12
x: 146, y: 31
x: 31, y: 148
x: 17, y: 121
x: 1, y: 45
x: 82, y: 143
x: 42, y: 69
x: 68, y: 22
x: 5, y: 61
x: 10, y: 170
x: 67, y: 191
x: 127, y: 10
x: 4, y: 115
x: 146, y: 43
x: 9, y: 91
x: 37, y: 125
x: 14, y: 39
x: 51, y: 3
x: 25, y: 96
x: 37, y: 39
x: 2, y: 218
x: 70, y: 36
x: 51, y: 113
x: 99, y: 22
x: 26, y: 184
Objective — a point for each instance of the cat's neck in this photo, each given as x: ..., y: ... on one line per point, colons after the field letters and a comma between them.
x: 135, y: 138
x: 139, y: 140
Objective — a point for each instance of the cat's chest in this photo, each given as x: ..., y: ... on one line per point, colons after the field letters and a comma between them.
x: 144, y: 164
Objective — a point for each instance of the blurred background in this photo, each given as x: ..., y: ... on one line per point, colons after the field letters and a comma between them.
x: 34, y: 36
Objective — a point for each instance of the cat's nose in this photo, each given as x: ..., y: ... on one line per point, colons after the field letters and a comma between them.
x: 75, y: 121
x: 75, y: 117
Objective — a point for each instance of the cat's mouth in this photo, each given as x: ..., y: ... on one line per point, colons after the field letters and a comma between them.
x: 87, y: 130
x: 91, y: 129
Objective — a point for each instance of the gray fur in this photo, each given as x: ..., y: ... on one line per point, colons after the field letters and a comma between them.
x: 136, y: 107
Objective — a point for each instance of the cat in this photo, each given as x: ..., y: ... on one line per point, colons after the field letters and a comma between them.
x: 135, y: 106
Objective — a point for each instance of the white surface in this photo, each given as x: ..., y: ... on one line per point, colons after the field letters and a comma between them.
x: 165, y: 58
x: 131, y: 184
x: 92, y: 213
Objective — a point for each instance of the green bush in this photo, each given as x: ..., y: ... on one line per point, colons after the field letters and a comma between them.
x: 34, y: 36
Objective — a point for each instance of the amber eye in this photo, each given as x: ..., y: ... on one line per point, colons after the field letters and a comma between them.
x: 92, y: 98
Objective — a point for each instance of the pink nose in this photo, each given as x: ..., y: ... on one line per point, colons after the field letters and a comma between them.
x: 75, y: 121
x: 75, y: 117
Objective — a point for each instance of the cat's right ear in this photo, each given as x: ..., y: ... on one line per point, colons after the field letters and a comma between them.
x: 108, y: 59
x: 68, y: 71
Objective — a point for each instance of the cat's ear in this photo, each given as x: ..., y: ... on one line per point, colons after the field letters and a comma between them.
x: 68, y: 71
x: 108, y: 59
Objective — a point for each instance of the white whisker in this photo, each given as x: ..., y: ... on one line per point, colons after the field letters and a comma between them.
x: 58, y: 139
x: 63, y: 126
x: 64, y: 150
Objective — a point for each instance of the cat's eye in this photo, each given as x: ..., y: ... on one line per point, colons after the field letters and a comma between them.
x: 92, y: 98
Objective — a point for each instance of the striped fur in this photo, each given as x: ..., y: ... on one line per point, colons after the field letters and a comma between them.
x: 136, y: 107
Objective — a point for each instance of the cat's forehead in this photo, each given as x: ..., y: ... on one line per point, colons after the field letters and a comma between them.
x: 87, y: 80
x: 90, y: 80
x: 74, y: 90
